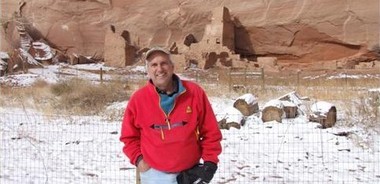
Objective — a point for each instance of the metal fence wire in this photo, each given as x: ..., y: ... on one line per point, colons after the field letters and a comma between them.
x: 39, y: 148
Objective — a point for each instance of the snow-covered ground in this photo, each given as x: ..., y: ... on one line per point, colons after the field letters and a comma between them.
x: 38, y: 148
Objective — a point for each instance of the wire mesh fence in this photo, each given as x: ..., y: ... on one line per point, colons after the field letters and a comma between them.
x: 61, y: 149
x: 295, y: 152
x: 39, y: 148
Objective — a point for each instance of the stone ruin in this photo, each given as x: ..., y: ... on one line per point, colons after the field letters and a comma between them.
x: 118, y: 51
x: 215, y: 49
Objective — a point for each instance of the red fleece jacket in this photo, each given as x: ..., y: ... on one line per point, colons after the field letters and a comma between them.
x: 172, y: 142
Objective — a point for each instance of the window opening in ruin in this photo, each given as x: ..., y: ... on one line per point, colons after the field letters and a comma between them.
x: 192, y: 63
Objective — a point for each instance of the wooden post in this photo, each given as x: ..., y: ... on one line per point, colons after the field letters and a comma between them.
x: 262, y: 78
x: 346, y: 78
x: 101, y: 75
x: 59, y: 71
x: 23, y: 66
x: 197, y: 76
x: 217, y: 79
x: 229, y: 81
x: 298, y: 79
x: 245, y: 80
x: 245, y: 76
x: 138, y: 179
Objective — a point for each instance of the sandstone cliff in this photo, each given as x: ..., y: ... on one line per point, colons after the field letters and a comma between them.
x: 300, y: 31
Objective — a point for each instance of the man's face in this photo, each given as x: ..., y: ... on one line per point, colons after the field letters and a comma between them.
x: 160, y: 70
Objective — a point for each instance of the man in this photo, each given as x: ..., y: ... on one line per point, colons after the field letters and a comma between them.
x: 169, y: 126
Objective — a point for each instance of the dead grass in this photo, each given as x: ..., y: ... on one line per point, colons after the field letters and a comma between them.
x: 350, y: 95
x: 274, y: 86
x: 37, y: 96
x: 365, y: 112
x: 74, y: 96
x: 78, y: 96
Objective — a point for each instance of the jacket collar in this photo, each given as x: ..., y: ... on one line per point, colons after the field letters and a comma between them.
x: 178, y: 89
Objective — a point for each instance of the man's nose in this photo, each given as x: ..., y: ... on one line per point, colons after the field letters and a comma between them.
x: 160, y: 67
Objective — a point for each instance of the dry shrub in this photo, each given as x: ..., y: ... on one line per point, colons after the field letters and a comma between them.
x: 74, y: 96
x: 4, y: 95
x: 64, y: 87
x: 365, y: 113
x: 36, y: 96
x: 350, y: 94
x: 320, y: 88
x: 40, y: 95
x: 39, y: 83
x: 78, y: 96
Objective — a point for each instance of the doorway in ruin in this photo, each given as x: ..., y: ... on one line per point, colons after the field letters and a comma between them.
x: 211, y: 59
x: 224, y: 59
x: 190, y: 39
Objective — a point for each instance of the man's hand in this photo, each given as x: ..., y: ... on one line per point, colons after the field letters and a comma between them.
x: 199, y: 174
x: 143, y: 166
x: 205, y: 172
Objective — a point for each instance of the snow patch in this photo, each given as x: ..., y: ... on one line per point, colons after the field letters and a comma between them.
x: 321, y: 107
x: 249, y: 98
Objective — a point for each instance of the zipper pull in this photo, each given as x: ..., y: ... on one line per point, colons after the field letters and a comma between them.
x: 197, y: 133
x: 168, y: 123
x: 162, y: 134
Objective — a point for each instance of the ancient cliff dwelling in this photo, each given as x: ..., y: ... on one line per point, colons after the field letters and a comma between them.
x: 276, y: 35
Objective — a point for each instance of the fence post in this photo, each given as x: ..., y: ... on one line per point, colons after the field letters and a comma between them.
x: 138, y: 179
x: 229, y: 81
x: 101, y: 75
x: 217, y: 79
x: 345, y: 79
x: 197, y: 75
x: 298, y: 78
x: 59, y: 71
x: 262, y: 78
x: 24, y: 67
x: 246, y: 79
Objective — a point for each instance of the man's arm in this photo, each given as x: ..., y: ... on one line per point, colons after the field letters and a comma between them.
x: 130, y: 135
x: 210, y: 133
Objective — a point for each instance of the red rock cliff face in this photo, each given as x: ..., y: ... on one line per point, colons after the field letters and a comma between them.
x: 292, y: 30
